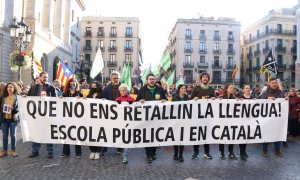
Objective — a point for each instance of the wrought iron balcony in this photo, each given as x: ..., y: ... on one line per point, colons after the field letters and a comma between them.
x: 202, y: 51
x: 202, y: 38
x: 294, y: 50
x: 100, y: 34
x: 128, y: 49
x: 217, y: 51
x: 230, y: 38
x: 102, y: 48
x: 281, y: 66
x: 188, y: 50
x: 188, y: 64
x: 280, y: 49
x: 188, y: 36
x: 202, y: 65
x: 128, y: 63
x: 250, y: 55
x: 230, y: 66
x: 112, y: 64
x: 217, y: 38
x: 216, y: 65
x: 230, y: 51
x: 128, y: 34
x: 87, y: 48
x: 111, y: 34
x: 257, y: 53
x: 112, y: 48
x: 88, y: 33
x: 292, y: 67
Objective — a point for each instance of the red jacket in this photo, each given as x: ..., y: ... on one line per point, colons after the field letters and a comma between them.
x: 126, y: 98
x: 294, y: 105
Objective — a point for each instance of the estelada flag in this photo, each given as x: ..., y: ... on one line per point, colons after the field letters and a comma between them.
x: 63, y: 73
x: 234, y: 72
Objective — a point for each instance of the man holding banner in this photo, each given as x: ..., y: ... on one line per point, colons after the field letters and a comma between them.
x: 42, y: 89
x: 151, y: 92
x: 272, y: 92
x: 202, y: 91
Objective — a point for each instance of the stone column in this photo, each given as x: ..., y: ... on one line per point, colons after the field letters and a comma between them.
x: 297, y: 63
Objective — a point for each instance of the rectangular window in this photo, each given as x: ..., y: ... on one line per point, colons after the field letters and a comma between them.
x: 230, y: 47
x: 267, y: 29
x: 188, y: 33
x: 230, y: 34
x: 87, y: 43
x: 216, y: 34
x: 202, y: 35
x: 250, y: 63
x: 279, y: 28
x: 216, y: 61
x: 216, y: 46
x: 294, y: 43
x: 112, y: 58
x: 229, y: 73
x: 127, y: 57
x: 113, y: 31
x: 202, y: 46
x: 188, y: 45
x: 100, y: 31
x: 128, y: 44
x: 257, y: 33
x: 279, y: 43
x: 257, y: 47
x: 128, y: 31
x: 230, y: 61
x: 217, y: 76
x: 188, y: 59
x: 294, y: 29
x: 202, y: 59
x: 267, y: 44
x: 112, y: 44
x: 88, y: 58
x: 280, y: 59
x: 257, y: 62
x: 88, y: 31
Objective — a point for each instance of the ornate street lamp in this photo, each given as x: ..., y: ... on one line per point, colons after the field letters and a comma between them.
x: 21, y: 35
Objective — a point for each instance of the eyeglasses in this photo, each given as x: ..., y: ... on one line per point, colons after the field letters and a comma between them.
x: 115, y: 78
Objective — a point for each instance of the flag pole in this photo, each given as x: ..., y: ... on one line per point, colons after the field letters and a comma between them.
x: 102, y: 78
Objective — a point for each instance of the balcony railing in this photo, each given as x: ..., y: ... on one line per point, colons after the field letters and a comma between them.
x: 188, y: 36
x: 202, y: 51
x: 102, y: 48
x: 112, y: 63
x: 87, y: 48
x: 188, y: 64
x: 112, y: 48
x: 112, y: 34
x: 257, y: 52
x: 281, y: 66
x: 292, y: 67
x: 249, y: 55
x: 100, y: 34
x: 216, y: 66
x: 230, y: 66
x: 202, y: 38
x: 230, y: 51
x: 266, y: 50
x: 217, y: 51
x: 128, y: 34
x: 128, y: 49
x: 128, y: 63
x: 230, y: 38
x: 294, y: 50
x: 217, y: 38
x: 202, y: 65
x: 88, y: 33
x: 188, y: 50
x: 280, y: 49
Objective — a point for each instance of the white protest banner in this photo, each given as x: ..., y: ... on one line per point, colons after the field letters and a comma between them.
x: 97, y: 122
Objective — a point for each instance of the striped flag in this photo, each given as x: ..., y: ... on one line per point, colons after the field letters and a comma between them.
x: 36, y: 66
x: 63, y: 73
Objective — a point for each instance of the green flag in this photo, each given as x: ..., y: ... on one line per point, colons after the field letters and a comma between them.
x: 165, y: 60
x: 163, y: 79
x: 98, y: 64
x: 171, y: 78
x: 146, y: 72
x: 127, y: 77
x: 167, y: 65
x: 179, y: 81
x: 123, y: 73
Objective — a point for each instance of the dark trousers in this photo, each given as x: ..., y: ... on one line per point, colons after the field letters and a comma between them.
x: 66, y: 149
x: 230, y: 148
x: 104, y: 149
x: 95, y: 149
x: 150, y: 151
x: 180, y: 150
x: 294, y: 127
x: 276, y: 146
x: 206, y: 148
x: 243, y: 149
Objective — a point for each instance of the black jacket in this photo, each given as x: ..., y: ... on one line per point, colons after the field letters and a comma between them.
x: 145, y: 93
x: 50, y: 90
x: 14, y: 111
x: 178, y: 98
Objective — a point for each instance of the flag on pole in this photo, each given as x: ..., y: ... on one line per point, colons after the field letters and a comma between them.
x: 163, y: 79
x: 270, y: 63
x: 179, y: 81
x: 123, y: 72
x: 36, y: 67
x: 234, y: 72
x: 165, y: 62
x: 170, y: 79
x: 127, y: 77
x: 63, y: 73
x: 145, y: 73
x: 98, y: 64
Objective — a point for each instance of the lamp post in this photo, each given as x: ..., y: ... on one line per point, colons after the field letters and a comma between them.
x: 21, y: 35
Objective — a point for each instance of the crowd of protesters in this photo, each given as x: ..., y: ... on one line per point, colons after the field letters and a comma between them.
x: 153, y: 90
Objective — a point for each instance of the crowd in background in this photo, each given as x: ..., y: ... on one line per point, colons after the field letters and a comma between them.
x: 153, y: 90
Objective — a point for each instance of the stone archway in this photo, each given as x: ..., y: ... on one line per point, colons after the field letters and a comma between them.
x: 55, y: 62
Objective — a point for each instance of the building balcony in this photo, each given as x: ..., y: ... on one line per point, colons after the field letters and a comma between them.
x: 266, y: 50
x: 217, y: 51
x: 202, y: 51
x: 257, y: 53
x: 88, y: 33
x: 230, y: 51
x: 188, y: 36
x: 128, y: 34
x: 112, y: 64
x: 202, y: 65
x: 230, y: 66
x: 128, y: 49
x: 250, y: 55
x: 216, y: 81
x: 112, y: 48
x: 130, y: 63
x: 292, y: 67
x: 101, y: 34
x: 87, y: 48
x: 281, y: 67
x: 188, y: 50
x: 280, y: 49
x: 112, y: 34
x: 188, y: 64
x: 230, y: 38
x: 102, y: 48
x: 202, y: 38
x: 294, y: 50
x: 216, y: 66
x: 217, y: 38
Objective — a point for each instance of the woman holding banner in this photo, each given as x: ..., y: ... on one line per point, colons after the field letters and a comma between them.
x: 71, y: 90
x: 95, y: 93
x: 228, y: 94
x: 9, y: 117
x: 180, y: 95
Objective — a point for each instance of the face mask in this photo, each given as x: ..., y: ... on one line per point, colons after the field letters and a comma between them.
x: 72, y: 87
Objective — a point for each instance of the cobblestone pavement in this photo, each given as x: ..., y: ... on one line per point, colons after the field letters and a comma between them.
x: 111, y: 167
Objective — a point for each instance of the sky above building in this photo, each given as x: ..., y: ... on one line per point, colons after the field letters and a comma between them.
x: 158, y: 17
